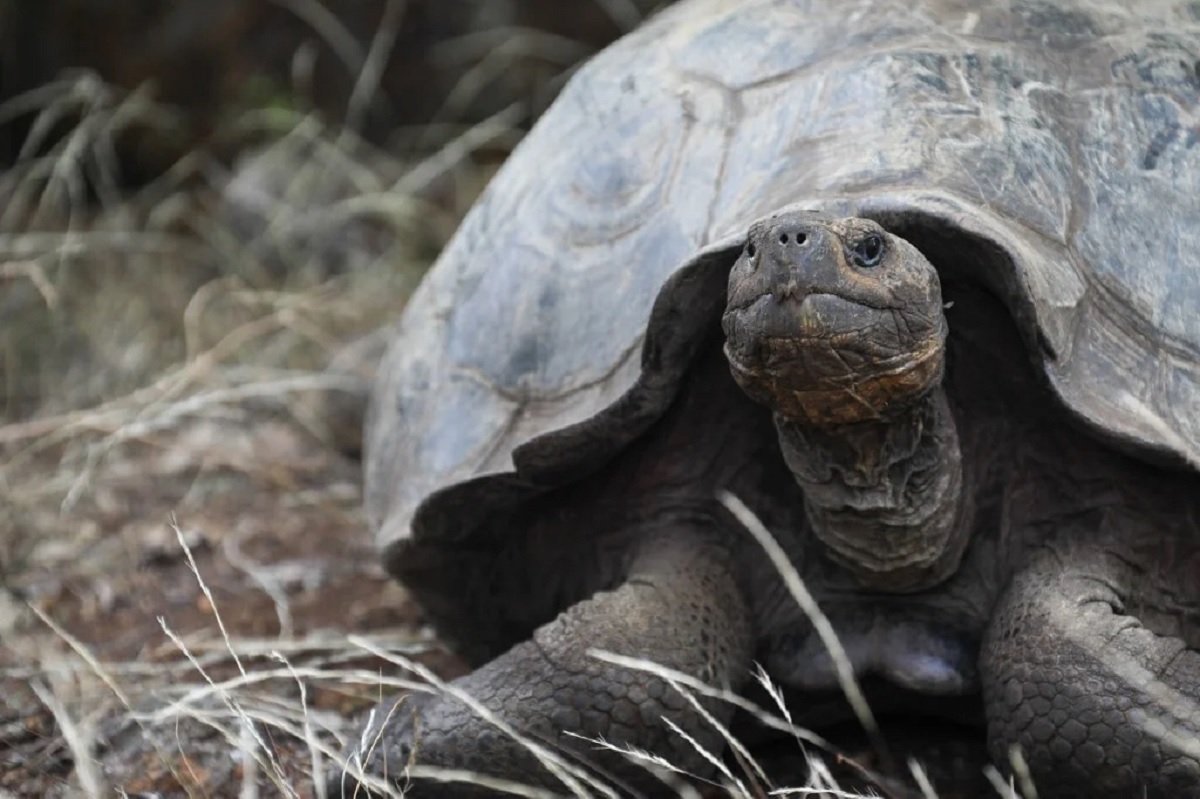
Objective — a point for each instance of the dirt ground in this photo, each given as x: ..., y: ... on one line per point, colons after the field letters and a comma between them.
x: 285, y: 562
x: 197, y: 519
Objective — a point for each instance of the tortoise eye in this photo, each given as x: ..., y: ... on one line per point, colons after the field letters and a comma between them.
x: 869, y: 251
x: 750, y: 250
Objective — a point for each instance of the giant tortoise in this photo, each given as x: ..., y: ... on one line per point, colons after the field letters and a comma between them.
x: 919, y: 283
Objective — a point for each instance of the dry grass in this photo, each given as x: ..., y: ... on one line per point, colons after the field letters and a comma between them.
x: 174, y: 506
x: 198, y: 349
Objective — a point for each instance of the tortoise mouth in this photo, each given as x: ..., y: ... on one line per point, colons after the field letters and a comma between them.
x: 828, y: 359
x: 830, y: 337
x: 869, y: 395
x: 816, y: 299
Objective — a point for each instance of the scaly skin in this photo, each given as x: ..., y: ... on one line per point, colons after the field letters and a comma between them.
x: 1098, y: 704
x: 680, y: 606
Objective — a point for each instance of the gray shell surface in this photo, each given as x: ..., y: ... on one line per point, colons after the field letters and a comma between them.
x: 1063, y: 134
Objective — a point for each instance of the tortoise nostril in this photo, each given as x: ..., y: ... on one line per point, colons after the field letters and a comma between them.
x: 801, y: 238
x: 783, y: 238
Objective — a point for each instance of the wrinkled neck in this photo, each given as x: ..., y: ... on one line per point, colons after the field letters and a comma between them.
x: 885, y: 496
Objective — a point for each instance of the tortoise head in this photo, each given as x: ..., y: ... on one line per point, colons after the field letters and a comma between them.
x: 833, y: 321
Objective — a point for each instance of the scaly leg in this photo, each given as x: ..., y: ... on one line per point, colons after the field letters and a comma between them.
x: 1098, y: 704
x: 680, y: 606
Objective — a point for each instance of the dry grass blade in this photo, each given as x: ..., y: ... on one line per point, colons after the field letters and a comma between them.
x: 249, y: 786
x: 655, y: 764
x: 79, y: 741
x: 106, y: 677
x: 35, y: 99
x: 624, y: 13
x: 331, y: 29
x: 568, y: 774
x: 114, y: 417
x: 776, y: 694
x: 34, y: 272
x: 498, y: 125
x: 191, y: 561
x: 481, y: 780
x: 316, y: 758
x: 367, y: 83
x: 32, y: 244
x: 1016, y: 759
x: 85, y: 654
x: 1006, y: 790
x: 649, y: 758
x: 262, y: 576
x: 247, y: 739
x: 823, y: 792
x: 671, y: 675
x: 196, y: 695
x: 717, y: 763
x: 820, y: 779
x: 754, y: 771
x: 40, y: 183
x: 409, y: 643
x: 798, y: 590
x: 172, y: 413
x: 532, y: 42
x: 922, y: 779
x: 478, y: 78
x: 216, y: 720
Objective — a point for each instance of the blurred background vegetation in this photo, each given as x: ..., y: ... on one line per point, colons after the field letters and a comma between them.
x: 215, y: 60
x: 148, y: 108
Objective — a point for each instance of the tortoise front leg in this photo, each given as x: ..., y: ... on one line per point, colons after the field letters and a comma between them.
x: 680, y: 606
x: 1098, y: 704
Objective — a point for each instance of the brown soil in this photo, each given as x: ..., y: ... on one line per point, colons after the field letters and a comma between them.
x: 295, y: 528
